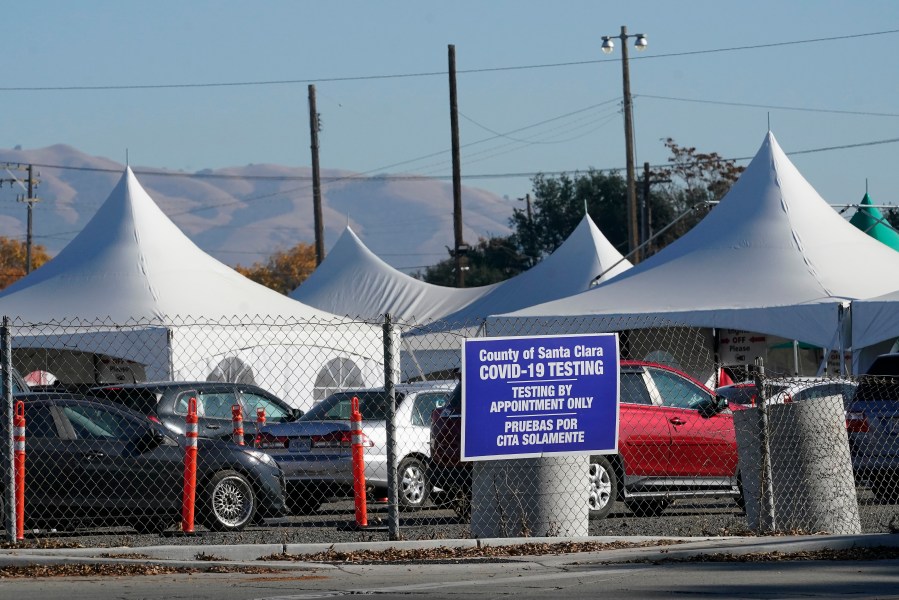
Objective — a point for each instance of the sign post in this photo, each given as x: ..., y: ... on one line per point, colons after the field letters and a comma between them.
x: 549, y: 402
x: 537, y: 396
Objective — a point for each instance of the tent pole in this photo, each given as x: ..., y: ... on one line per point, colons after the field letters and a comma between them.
x: 795, y: 357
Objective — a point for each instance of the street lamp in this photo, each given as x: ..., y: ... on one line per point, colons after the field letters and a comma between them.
x: 607, y: 47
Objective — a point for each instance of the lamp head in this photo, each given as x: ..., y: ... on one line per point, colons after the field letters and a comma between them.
x: 607, y: 44
x: 641, y: 42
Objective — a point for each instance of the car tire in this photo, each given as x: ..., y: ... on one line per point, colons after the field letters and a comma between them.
x: 648, y: 507
x: 740, y: 499
x: 229, y: 502
x: 603, y: 487
x: 412, y: 483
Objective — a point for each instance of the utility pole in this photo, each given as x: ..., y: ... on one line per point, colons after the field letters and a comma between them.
x: 29, y: 200
x: 607, y: 47
x: 629, y: 149
x: 459, y: 246
x: 314, y: 127
x: 644, y: 208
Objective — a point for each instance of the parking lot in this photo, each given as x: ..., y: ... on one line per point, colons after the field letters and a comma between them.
x: 334, y: 523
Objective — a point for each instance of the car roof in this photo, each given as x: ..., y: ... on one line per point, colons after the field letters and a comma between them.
x: 161, y: 384
x: 408, y: 388
x: 885, y: 365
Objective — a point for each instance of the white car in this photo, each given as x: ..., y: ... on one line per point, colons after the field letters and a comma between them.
x: 315, y: 451
x: 797, y: 389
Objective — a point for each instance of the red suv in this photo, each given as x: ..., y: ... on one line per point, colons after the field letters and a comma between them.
x: 676, y: 438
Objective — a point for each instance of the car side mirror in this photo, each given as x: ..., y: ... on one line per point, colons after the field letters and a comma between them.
x: 296, y: 413
x: 714, y: 406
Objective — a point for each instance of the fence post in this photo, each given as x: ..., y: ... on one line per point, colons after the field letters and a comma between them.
x: 6, y: 464
x: 393, y: 519
x: 190, y: 468
x: 767, y: 522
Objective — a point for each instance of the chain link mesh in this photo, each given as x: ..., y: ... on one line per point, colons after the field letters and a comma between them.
x: 109, y: 406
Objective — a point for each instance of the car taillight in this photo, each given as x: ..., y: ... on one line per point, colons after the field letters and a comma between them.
x: 154, y: 418
x: 337, y: 439
x: 856, y: 422
x: 267, y: 440
x: 788, y: 399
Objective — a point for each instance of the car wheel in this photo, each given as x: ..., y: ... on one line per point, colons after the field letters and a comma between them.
x: 648, y: 507
x: 230, y: 502
x: 603, y: 487
x: 740, y: 498
x: 412, y: 482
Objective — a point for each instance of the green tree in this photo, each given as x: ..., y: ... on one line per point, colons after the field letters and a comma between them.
x: 892, y: 217
x: 559, y: 205
x: 680, y: 193
x: 686, y: 189
x: 284, y: 270
x: 489, y: 261
x: 13, y: 259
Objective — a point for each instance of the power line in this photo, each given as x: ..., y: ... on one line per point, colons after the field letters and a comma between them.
x: 427, y: 73
x: 770, y: 106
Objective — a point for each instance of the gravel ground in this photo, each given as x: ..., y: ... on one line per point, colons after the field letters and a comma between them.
x: 335, y: 523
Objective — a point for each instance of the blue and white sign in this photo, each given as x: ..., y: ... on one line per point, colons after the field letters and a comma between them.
x: 535, y: 396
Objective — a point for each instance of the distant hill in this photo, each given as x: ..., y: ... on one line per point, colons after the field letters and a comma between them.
x: 241, y: 215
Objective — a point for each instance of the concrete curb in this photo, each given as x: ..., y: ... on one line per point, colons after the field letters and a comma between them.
x: 205, y: 557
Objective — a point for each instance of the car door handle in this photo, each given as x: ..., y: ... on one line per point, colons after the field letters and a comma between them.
x: 677, y: 421
x: 94, y: 456
x: 213, y: 427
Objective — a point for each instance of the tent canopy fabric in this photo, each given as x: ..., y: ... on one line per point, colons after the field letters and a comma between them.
x: 871, y: 221
x: 132, y: 287
x: 584, y: 259
x: 876, y: 319
x: 771, y: 257
x: 353, y: 281
x: 132, y: 263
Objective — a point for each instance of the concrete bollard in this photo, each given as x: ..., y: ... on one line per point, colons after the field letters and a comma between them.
x: 811, y: 467
x: 530, y: 497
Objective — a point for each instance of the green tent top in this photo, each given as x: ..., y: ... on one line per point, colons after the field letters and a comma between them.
x: 871, y: 221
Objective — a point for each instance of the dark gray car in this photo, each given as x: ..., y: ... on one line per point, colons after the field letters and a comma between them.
x: 167, y: 401
x: 872, y: 422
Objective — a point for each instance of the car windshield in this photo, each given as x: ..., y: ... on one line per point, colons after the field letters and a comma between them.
x: 337, y: 407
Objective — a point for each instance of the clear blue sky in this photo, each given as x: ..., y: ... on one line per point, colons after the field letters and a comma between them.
x: 554, y: 118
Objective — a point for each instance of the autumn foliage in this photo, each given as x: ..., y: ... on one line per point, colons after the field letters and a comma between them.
x: 13, y: 259
x: 284, y: 270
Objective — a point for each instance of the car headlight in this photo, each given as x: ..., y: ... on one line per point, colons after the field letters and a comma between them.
x: 262, y: 457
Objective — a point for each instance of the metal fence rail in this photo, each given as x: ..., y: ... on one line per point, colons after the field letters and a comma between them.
x: 109, y: 406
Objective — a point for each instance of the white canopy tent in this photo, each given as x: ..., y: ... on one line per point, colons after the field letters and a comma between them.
x: 132, y: 294
x: 771, y: 257
x: 875, y: 326
x: 353, y: 281
x: 584, y: 259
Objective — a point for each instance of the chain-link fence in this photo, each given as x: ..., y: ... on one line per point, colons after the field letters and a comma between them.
x: 248, y: 426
